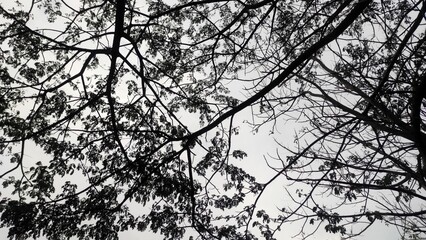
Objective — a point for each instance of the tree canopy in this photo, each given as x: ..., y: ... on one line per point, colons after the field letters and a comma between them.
x: 131, y: 104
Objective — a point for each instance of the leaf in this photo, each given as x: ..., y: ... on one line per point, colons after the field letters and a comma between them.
x: 238, y: 154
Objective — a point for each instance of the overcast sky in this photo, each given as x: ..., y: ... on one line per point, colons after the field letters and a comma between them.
x: 258, y: 146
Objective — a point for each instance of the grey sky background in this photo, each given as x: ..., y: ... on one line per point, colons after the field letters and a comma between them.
x: 257, y: 145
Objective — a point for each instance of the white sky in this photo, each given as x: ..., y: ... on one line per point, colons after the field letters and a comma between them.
x: 257, y: 146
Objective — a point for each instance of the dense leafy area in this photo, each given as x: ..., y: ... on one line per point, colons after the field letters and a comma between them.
x: 131, y: 105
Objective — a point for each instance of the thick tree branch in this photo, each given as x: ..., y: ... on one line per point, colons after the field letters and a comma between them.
x: 306, y: 55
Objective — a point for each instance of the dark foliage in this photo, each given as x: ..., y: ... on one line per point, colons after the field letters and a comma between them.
x: 131, y: 104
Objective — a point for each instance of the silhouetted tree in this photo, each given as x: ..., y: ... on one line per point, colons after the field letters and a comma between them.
x: 131, y: 103
x: 363, y: 147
